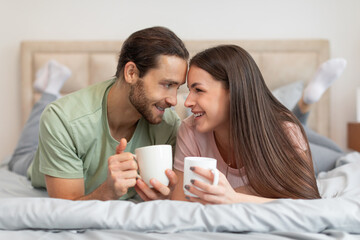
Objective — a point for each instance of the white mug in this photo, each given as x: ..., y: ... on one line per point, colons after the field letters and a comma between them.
x: 203, y: 162
x: 153, y: 161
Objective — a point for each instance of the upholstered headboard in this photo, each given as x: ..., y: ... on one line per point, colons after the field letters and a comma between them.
x: 281, y: 62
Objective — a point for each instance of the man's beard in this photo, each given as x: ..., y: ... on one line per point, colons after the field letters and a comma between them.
x: 140, y: 101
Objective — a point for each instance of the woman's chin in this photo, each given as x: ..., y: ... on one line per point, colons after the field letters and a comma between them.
x: 202, y: 129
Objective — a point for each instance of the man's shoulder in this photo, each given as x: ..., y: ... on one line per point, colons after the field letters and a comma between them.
x: 170, y: 117
x: 83, y: 102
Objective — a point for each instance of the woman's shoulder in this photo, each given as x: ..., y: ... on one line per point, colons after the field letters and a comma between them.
x: 290, y: 125
x: 188, y: 128
x: 188, y: 124
x: 295, y: 134
x: 189, y: 121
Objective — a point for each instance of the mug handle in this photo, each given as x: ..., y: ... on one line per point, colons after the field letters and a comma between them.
x: 135, y: 159
x: 215, y: 171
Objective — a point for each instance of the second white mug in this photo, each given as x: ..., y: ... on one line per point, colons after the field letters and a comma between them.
x: 203, y: 162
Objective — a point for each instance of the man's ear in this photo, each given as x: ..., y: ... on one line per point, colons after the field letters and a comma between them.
x: 131, y: 73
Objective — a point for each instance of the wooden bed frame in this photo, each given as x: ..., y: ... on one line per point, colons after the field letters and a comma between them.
x: 281, y: 62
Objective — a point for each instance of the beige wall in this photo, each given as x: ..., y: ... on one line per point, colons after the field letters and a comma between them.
x: 335, y: 20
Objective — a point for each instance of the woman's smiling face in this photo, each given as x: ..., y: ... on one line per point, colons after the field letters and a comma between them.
x: 209, y: 101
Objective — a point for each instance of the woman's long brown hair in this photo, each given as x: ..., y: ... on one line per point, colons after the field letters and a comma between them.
x: 261, y: 144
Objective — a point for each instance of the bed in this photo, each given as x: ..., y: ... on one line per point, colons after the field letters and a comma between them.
x: 28, y: 213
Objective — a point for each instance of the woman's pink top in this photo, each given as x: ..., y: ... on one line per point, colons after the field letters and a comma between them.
x: 192, y: 143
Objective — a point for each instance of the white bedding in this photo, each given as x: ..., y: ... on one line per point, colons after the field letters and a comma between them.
x: 335, y: 216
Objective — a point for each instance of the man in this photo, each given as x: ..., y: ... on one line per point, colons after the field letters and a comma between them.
x: 86, y: 138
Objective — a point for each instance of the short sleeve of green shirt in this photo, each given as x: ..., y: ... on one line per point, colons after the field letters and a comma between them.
x: 57, y: 149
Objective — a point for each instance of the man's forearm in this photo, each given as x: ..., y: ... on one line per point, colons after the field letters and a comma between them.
x: 102, y: 193
x: 73, y: 189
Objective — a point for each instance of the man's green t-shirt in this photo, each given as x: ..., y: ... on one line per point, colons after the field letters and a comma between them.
x: 75, y: 140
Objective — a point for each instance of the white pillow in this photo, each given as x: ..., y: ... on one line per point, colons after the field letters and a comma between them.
x: 289, y: 94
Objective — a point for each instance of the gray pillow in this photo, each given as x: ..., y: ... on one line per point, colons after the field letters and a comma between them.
x: 289, y: 94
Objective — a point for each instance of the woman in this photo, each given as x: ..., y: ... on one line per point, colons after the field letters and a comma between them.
x: 261, y: 148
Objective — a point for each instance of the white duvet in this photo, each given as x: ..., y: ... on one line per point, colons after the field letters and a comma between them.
x: 339, y: 210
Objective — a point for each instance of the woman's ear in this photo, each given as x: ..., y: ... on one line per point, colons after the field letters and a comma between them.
x: 131, y: 73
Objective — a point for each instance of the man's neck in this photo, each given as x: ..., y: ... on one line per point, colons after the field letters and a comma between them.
x: 122, y: 116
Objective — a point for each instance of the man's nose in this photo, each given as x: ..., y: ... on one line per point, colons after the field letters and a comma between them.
x: 172, y: 100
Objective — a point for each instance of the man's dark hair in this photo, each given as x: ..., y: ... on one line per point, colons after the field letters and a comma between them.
x: 145, y: 46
